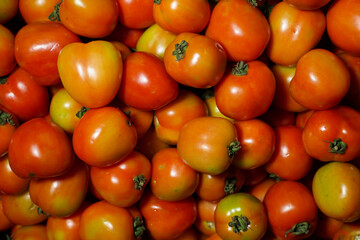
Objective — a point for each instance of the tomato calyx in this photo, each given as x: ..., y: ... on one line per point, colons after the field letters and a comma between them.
x: 139, y: 227
x: 233, y: 148
x: 157, y: 1
x: 208, y: 94
x: 139, y: 181
x: 82, y: 111
x: 210, y: 224
x: 55, y: 16
x: 230, y: 186
x: 6, y: 118
x: 180, y: 49
x: 275, y: 177
x: 253, y: 3
x: 299, y: 229
x: 239, y: 224
x: 337, y: 146
x: 240, y: 69
x: 3, y: 80
x: 41, y: 212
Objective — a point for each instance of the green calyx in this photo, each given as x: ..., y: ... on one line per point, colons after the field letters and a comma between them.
x: 41, y: 212
x: 180, y: 49
x: 139, y: 227
x: 253, y: 3
x: 230, y: 186
x: 299, y: 229
x: 3, y: 80
x: 82, y: 111
x: 55, y: 16
x: 157, y: 1
x: 275, y: 177
x: 240, y: 69
x: 139, y: 182
x: 6, y: 118
x: 233, y: 148
x: 239, y: 224
x: 337, y: 146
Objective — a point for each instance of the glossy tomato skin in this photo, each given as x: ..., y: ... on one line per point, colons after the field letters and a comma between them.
x: 146, y: 84
x: 307, y: 4
x: 91, y: 19
x: 36, y: 11
x: 8, y: 125
x: 348, y: 231
x: 205, y: 220
x: 287, y: 45
x: 150, y: 143
x: 325, y: 127
x: 238, y: 207
x: 287, y: 204
x: 7, y: 51
x: 327, y: 226
x: 128, y: 36
x: 331, y: 189
x: 37, y: 46
x: 8, y: 10
x: 36, y: 231
x: 166, y: 220
x: 321, y: 80
x: 5, y: 223
x: 39, y: 148
x: 242, y: 97
x: 82, y: 71
x: 122, y: 184
x: 212, y: 107
x: 104, y: 136
x: 136, y: 14
x: 10, y: 183
x: 241, y: 29
x: 259, y: 190
x: 21, y: 95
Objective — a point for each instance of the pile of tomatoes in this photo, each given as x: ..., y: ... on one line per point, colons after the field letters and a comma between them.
x: 179, y: 119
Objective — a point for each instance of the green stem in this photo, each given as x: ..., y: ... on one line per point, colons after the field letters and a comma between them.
x: 299, y: 229
x: 3, y: 80
x: 239, y: 224
x: 55, y: 16
x: 6, y: 118
x: 233, y: 148
x: 82, y: 111
x: 40, y: 211
x: 275, y: 177
x: 180, y: 49
x: 230, y: 186
x: 139, y: 227
x: 240, y: 68
x: 139, y: 182
x: 157, y: 1
x: 209, y: 93
x: 337, y: 146
x: 253, y: 3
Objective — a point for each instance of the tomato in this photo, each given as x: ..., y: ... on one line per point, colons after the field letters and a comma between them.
x: 40, y: 148
x: 210, y: 102
x: 333, y: 134
x: 259, y: 190
x: 255, y: 176
x: 150, y: 143
x: 215, y: 187
x: 240, y: 28
x: 348, y: 231
x: 35, y: 10
x: 257, y: 140
x: 7, y: 51
x: 327, y: 227
x: 166, y: 220
x: 293, y: 33
x: 102, y: 220
x: 307, y: 4
x: 136, y: 14
x: 276, y: 117
x: 128, y: 36
x: 331, y: 189
x: 82, y: 72
x: 145, y: 83
x: 291, y: 209
x: 208, y: 144
x: 342, y: 26
x: 205, y: 220
x: 321, y: 80
x: 21, y: 210
x: 246, y: 90
x: 171, y: 178
x: 155, y: 40
x: 5, y: 223
x: 8, y: 10
x: 122, y: 184
x: 124, y: 50
x: 189, y: 234
x: 240, y: 216
x: 8, y: 125
x: 36, y: 231
x: 169, y: 119
x: 37, y: 46
x: 302, y: 117
x: 290, y: 160
x: 179, y: 16
x: 10, y: 183
x: 104, y: 136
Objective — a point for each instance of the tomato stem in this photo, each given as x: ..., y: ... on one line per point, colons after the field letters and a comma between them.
x: 180, y: 49
x: 299, y: 228
x: 233, y: 148
x: 40, y: 211
x: 139, y: 227
x: 157, y: 1
x: 240, y: 68
x: 337, y: 146
x: 230, y: 186
x: 139, y: 181
x: 81, y: 112
x: 209, y: 93
x: 239, y: 224
x: 6, y: 118
x: 8, y: 237
x: 210, y: 224
x: 55, y: 16
x: 275, y: 177
x: 253, y: 3
x: 3, y: 80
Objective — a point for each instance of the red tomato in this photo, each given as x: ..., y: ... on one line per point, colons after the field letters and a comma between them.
x: 321, y: 80
x: 246, y: 90
x: 302, y: 117
x: 213, y: 109
x: 8, y: 10
x: 5, y: 223
x: 39, y: 148
x: 104, y: 136
x: 122, y: 184
x: 240, y: 28
x: 10, y: 183
x: 308, y: 4
x: 259, y: 190
x: 166, y: 220
x: 136, y: 14
x: 36, y: 231
x: 333, y: 134
x: 7, y: 51
x: 205, y: 220
x: 91, y: 72
x: 37, y: 47
x: 179, y: 16
x: 124, y: 50
x: 8, y: 125
x: 291, y: 209
x: 255, y: 176
x: 327, y: 227
x: 150, y: 144
x: 128, y: 36
x: 35, y: 10
x: 348, y: 231
x: 276, y: 117
x: 146, y: 85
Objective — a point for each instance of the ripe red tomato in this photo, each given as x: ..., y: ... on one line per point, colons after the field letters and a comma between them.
x: 8, y: 125
x: 246, y: 90
x: 240, y: 28
x: 291, y: 210
x: 307, y: 4
x: 205, y: 220
x: 210, y: 102
x: 7, y: 51
x: 348, y: 231
x: 128, y: 36
x: 10, y: 183
x: 260, y: 189
x: 137, y: 14
x: 327, y: 226
x: 276, y: 117
x: 5, y: 223
x: 150, y: 143
x: 35, y: 10
x: 36, y: 231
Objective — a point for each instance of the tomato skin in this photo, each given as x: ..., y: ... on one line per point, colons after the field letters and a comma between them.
x: 81, y: 68
x: 35, y: 10
x: 128, y: 36
x: 136, y: 14
x: 150, y: 144
x: 146, y: 85
x: 116, y: 184
x: 276, y: 117
x: 8, y: 125
x: 247, y: 96
x: 10, y: 183
x: 8, y: 10
x: 91, y: 19
x: 327, y: 226
x: 5, y: 223
x: 240, y: 205
x: 259, y: 190
x: 323, y: 127
x: 166, y: 220
x: 316, y: 69
x: 302, y: 117
x: 7, y: 51
x: 255, y: 176
x: 37, y: 46
x: 104, y: 136
x: 307, y: 4
x: 40, y: 148
x: 286, y: 44
x: 331, y: 189
x: 342, y: 27
x: 348, y: 231
x: 241, y: 29
x: 289, y: 203
x: 205, y: 220
x: 36, y: 231
x: 213, y: 109
x: 124, y: 50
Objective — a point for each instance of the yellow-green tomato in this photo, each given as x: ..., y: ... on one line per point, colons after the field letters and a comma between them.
x: 336, y: 190
x: 63, y: 110
x: 155, y: 40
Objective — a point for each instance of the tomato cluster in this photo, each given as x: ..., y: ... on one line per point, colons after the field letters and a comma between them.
x: 180, y: 119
